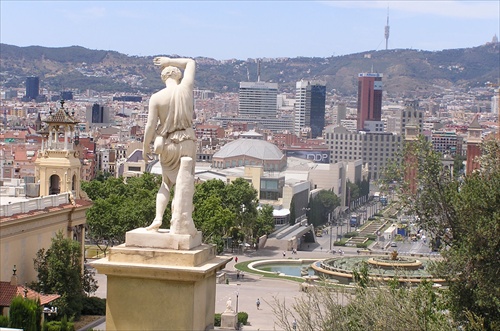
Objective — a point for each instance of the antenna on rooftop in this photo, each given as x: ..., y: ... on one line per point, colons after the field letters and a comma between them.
x: 387, y: 28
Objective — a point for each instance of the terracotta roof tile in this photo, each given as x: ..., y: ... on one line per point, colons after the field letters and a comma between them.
x: 8, y: 292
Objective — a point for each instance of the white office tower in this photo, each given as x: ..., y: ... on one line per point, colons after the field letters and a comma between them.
x: 310, y: 105
x: 258, y: 99
x: 302, y: 107
x: 495, y: 109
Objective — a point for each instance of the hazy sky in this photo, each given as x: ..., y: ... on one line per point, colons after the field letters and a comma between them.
x: 248, y: 29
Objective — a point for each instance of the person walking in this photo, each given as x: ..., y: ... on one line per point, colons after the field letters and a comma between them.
x: 236, y: 259
x: 258, y: 303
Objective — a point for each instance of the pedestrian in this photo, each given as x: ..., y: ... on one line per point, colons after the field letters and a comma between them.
x: 236, y: 259
x: 258, y: 303
x: 284, y: 253
x: 294, y: 324
x: 242, y: 275
x: 238, y: 274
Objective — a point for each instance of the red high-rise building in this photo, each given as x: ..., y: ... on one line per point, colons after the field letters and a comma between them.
x: 369, y: 98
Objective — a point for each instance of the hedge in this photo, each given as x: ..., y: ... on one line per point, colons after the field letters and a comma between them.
x: 242, y: 318
x: 351, y: 234
x: 94, y: 306
x: 217, y: 319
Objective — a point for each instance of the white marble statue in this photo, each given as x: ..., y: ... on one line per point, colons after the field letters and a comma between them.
x: 229, y: 306
x: 170, y: 120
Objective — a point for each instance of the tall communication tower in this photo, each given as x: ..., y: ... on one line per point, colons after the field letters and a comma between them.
x: 387, y: 31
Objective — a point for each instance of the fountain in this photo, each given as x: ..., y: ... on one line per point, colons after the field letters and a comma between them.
x: 380, y: 268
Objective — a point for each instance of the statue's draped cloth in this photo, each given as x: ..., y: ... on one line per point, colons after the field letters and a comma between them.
x: 177, y: 129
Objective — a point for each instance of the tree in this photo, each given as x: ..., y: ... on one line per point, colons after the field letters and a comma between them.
x: 463, y: 213
x: 25, y: 314
x: 293, y: 214
x: 242, y: 199
x: 378, y: 308
x: 364, y: 187
x: 59, y: 271
x: 264, y: 223
x: 89, y: 284
x: 353, y: 191
x: 213, y: 219
x: 120, y: 207
x: 226, y: 210
x: 220, y: 210
x: 321, y: 205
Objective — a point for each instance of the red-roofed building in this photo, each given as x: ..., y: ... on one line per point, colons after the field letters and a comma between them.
x: 9, y: 290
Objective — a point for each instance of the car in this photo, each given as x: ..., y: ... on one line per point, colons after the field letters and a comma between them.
x: 393, y: 244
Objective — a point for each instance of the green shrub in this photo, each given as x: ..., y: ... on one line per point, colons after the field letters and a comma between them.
x: 362, y: 245
x: 25, y: 314
x: 351, y: 234
x: 371, y: 236
x: 340, y: 243
x: 217, y: 318
x: 378, y: 214
x: 4, y: 321
x: 62, y: 325
x: 94, y: 306
x: 242, y: 318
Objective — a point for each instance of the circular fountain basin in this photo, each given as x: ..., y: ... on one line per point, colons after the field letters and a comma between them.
x: 380, y: 268
x: 284, y: 267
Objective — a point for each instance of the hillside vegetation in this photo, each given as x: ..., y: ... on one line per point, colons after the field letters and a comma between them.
x: 407, y: 72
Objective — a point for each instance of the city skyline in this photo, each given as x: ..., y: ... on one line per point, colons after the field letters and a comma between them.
x: 252, y: 29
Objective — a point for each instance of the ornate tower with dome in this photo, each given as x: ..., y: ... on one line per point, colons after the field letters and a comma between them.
x: 58, y: 165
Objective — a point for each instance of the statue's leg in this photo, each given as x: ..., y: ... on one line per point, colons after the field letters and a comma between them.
x: 162, y: 198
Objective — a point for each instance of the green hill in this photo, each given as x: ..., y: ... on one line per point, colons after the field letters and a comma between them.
x: 407, y: 72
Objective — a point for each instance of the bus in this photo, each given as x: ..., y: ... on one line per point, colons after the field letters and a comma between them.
x: 354, y: 221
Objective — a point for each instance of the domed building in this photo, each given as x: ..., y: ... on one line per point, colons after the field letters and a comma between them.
x: 250, y: 149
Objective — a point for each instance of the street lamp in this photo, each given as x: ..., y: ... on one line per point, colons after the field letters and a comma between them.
x: 237, y: 295
x: 331, y: 224
x: 237, y: 321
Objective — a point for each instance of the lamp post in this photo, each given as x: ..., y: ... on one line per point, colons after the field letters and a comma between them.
x: 331, y: 225
x: 237, y: 321
x: 237, y: 296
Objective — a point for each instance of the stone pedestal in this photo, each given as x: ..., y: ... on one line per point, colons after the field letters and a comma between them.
x: 162, y: 239
x: 152, y: 288
x: 229, y: 320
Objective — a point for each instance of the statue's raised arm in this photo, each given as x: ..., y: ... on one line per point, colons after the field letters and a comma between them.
x: 187, y: 64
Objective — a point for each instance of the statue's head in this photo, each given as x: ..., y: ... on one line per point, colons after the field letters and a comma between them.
x: 171, y: 72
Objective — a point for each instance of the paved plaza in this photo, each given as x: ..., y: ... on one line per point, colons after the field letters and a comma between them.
x: 254, y: 286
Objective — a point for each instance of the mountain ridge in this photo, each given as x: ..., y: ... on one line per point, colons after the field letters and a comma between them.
x: 407, y: 72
